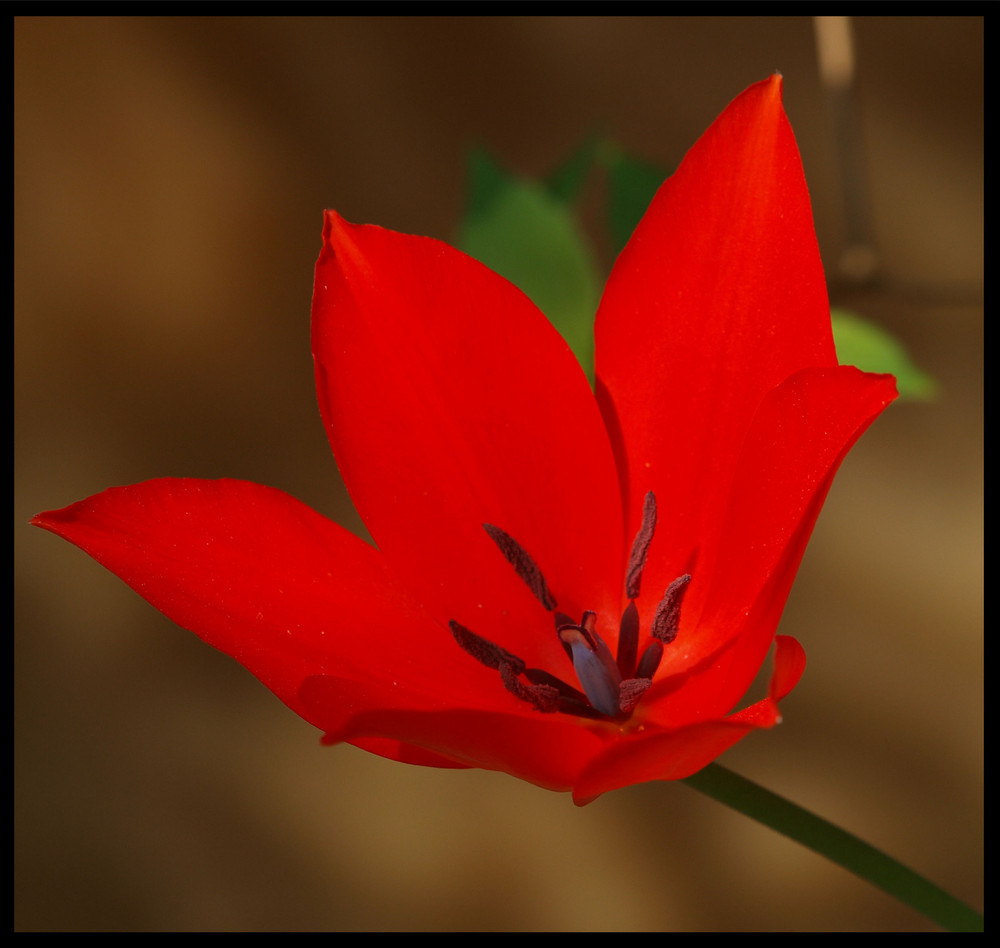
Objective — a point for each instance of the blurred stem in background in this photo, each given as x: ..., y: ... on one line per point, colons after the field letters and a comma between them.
x: 858, y: 263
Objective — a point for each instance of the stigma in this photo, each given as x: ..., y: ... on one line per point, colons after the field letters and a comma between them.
x: 610, y: 687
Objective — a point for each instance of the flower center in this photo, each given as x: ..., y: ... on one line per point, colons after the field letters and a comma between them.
x: 611, y: 686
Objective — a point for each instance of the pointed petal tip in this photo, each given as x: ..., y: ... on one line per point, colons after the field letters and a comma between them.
x: 343, y: 240
x: 771, y: 90
x: 336, y: 234
x: 763, y: 98
x: 345, y: 259
x: 50, y: 519
x: 333, y: 222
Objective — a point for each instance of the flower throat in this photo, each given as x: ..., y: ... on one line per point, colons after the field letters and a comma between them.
x: 612, y: 686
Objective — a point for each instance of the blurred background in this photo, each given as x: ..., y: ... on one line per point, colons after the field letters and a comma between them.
x: 170, y: 176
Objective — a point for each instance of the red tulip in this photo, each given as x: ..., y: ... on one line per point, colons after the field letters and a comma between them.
x: 575, y: 590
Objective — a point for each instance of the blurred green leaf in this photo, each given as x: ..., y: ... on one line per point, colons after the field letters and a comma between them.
x: 486, y: 181
x: 522, y: 231
x: 526, y: 232
x: 567, y: 181
x: 872, y: 349
x: 631, y: 186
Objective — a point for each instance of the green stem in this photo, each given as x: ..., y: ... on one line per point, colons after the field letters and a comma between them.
x: 831, y: 841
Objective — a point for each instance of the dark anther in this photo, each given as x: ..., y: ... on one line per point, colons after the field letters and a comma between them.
x: 629, y: 693
x: 667, y: 619
x: 539, y: 677
x: 542, y: 693
x: 524, y: 565
x: 483, y: 650
x: 544, y: 697
x: 571, y: 701
x: 640, y: 547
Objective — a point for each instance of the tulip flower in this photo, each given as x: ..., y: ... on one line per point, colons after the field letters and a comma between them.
x: 574, y: 587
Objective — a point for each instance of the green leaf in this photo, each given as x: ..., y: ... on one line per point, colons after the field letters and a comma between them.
x: 567, y: 181
x: 522, y: 231
x: 631, y: 186
x: 873, y: 349
x: 486, y: 182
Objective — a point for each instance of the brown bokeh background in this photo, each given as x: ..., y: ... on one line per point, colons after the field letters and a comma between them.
x: 170, y: 176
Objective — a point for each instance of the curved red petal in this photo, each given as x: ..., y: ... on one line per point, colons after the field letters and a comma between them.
x: 799, y: 437
x: 451, y: 402
x: 277, y: 586
x: 718, y: 297
x: 668, y: 754
x: 789, y: 664
x: 404, y: 753
x: 548, y: 750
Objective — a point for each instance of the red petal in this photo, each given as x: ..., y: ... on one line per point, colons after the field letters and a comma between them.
x: 799, y: 437
x: 718, y: 298
x: 269, y: 581
x: 546, y: 749
x: 404, y: 753
x: 451, y: 402
x: 674, y: 754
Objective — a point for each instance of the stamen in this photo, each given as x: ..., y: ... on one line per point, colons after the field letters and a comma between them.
x: 571, y: 701
x: 650, y: 660
x: 539, y: 677
x: 524, y: 565
x: 667, y: 619
x: 611, y: 688
x: 545, y: 698
x: 640, y: 547
x: 542, y: 694
x: 483, y: 650
x: 628, y: 641
x: 629, y: 693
